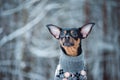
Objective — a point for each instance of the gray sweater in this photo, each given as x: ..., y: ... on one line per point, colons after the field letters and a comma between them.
x: 70, y: 64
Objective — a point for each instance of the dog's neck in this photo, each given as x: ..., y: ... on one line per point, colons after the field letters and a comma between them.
x: 72, y: 58
x: 72, y: 51
x: 72, y: 63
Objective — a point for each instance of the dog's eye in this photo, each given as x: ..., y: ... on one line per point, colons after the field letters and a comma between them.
x: 62, y: 34
x: 74, y: 34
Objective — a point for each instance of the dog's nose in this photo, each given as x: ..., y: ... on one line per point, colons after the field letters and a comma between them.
x: 67, y: 37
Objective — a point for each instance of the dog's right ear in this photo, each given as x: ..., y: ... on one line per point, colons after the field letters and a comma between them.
x: 54, y: 30
x: 86, y: 29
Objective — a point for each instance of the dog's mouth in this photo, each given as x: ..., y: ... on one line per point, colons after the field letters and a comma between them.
x: 68, y: 44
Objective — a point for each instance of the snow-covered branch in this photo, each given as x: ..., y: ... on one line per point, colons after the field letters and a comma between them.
x: 28, y: 26
x: 24, y: 5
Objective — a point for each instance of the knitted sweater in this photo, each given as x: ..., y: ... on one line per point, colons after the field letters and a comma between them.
x: 70, y: 64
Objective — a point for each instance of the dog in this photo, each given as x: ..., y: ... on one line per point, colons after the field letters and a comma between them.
x: 71, y: 63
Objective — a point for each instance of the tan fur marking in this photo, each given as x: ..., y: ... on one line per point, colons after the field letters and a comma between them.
x: 65, y: 32
x: 71, y: 51
x: 71, y: 31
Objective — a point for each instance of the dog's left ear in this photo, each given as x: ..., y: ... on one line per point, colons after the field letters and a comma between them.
x: 54, y: 30
x: 86, y: 29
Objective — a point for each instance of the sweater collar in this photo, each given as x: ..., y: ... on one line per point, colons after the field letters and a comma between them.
x: 72, y: 58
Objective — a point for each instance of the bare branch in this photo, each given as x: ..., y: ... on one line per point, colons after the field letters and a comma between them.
x: 25, y: 4
x: 28, y: 26
x: 37, y: 51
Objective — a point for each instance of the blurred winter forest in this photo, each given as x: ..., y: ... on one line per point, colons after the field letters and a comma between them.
x: 29, y: 52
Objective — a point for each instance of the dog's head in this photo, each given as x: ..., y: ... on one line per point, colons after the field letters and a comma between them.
x: 70, y: 37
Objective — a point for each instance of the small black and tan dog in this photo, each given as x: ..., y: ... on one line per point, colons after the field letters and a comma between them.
x: 71, y: 64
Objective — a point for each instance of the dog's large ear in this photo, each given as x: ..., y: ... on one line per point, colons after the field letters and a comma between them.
x: 86, y: 29
x: 54, y: 30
